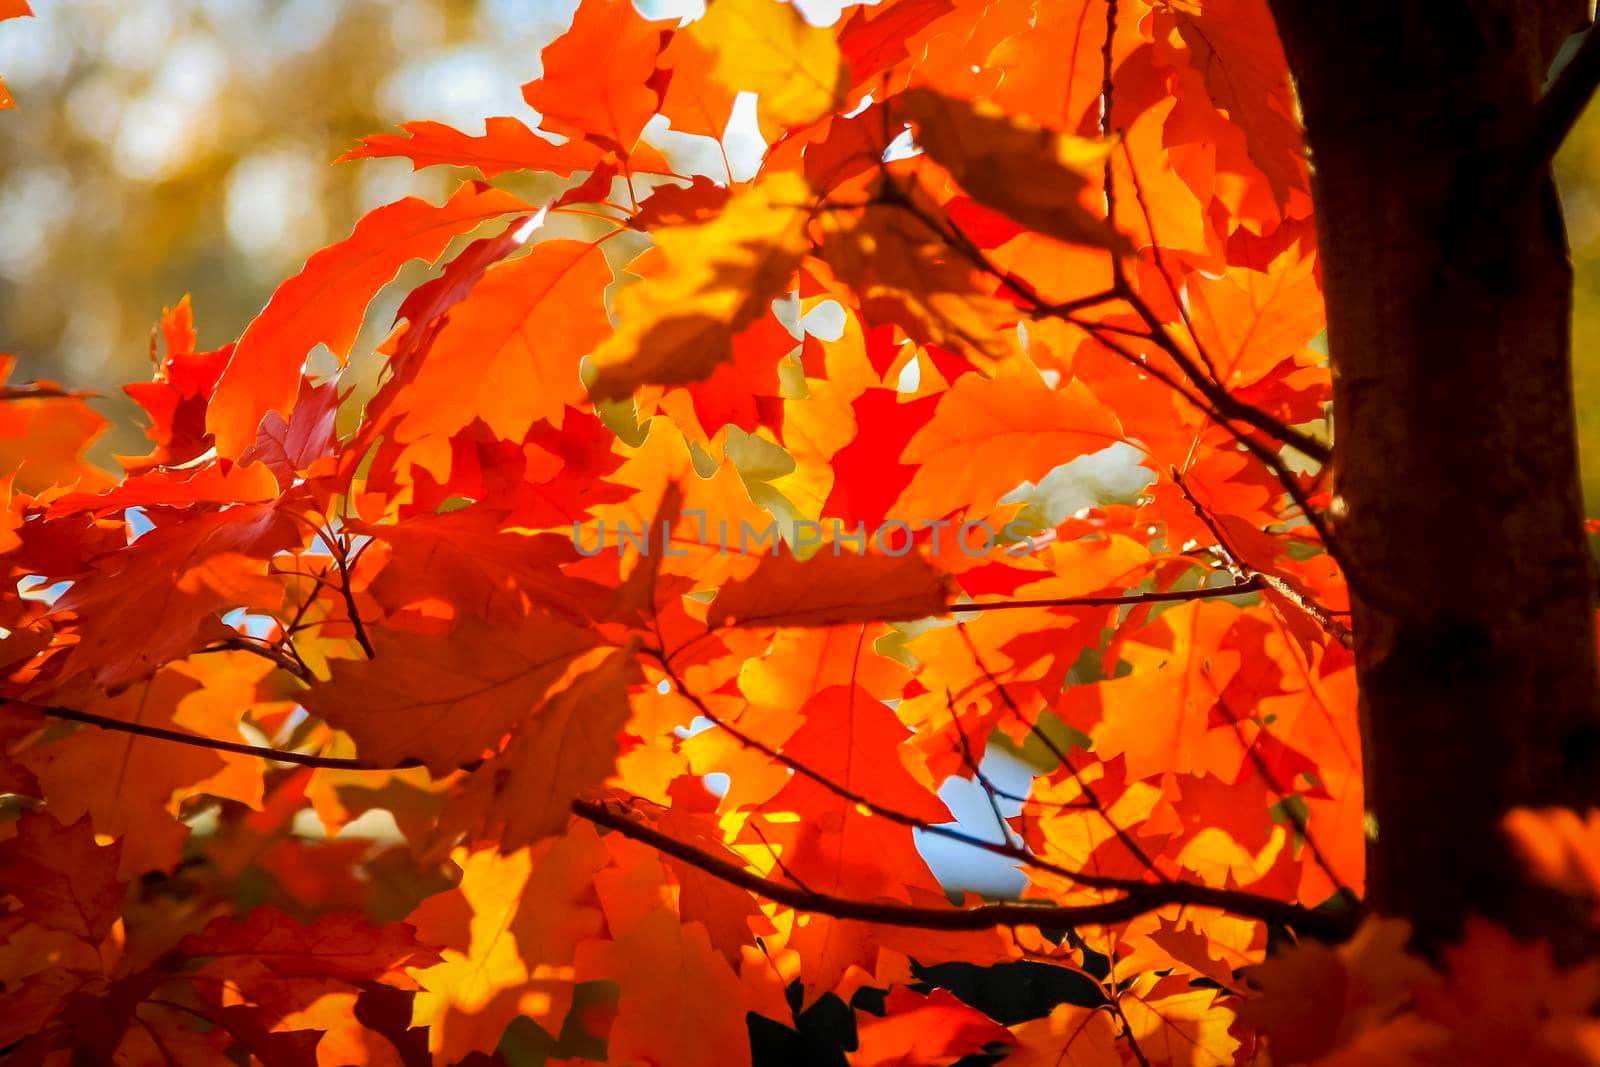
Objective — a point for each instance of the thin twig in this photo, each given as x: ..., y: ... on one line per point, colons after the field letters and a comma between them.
x: 1332, y: 626
x: 1555, y: 115
x: 1259, y: 762
x: 159, y: 733
x: 893, y: 815
x: 1127, y: 1031
x: 1055, y: 750
x: 340, y: 549
x: 777, y: 859
x: 971, y: 762
x: 1247, y: 585
x: 281, y: 656
x: 1161, y: 269
x: 1217, y: 401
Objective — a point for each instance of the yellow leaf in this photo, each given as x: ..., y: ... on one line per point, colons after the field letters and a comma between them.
x: 1083, y: 1037
x: 1035, y: 176
x: 1178, y: 1024
x: 509, y: 959
x: 678, y: 326
x: 765, y: 47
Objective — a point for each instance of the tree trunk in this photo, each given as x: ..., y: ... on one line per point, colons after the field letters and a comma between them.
x: 1458, y: 501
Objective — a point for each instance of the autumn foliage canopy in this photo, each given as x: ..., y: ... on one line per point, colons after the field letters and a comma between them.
x: 699, y: 529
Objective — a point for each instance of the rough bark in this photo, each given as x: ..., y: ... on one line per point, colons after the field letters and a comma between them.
x: 1455, y: 459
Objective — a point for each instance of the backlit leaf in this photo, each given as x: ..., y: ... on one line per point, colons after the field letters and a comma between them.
x: 443, y: 698
x: 829, y: 589
x: 325, y: 302
x: 1032, y: 175
x: 766, y: 47
x: 722, y: 276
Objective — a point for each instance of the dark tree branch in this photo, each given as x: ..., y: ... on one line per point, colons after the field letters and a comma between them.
x: 1250, y: 584
x: 1225, y: 406
x: 1214, y: 400
x: 1557, y: 113
x: 1107, y: 97
x: 1331, y: 624
x: 345, y: 763
x: 280, y: 655
x: 43, y: 391
x: 1139, y: 900
x: 181, y: 737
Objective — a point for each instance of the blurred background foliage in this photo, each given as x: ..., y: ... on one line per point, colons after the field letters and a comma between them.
x: 184, y: 146
x: 1578, y: 174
